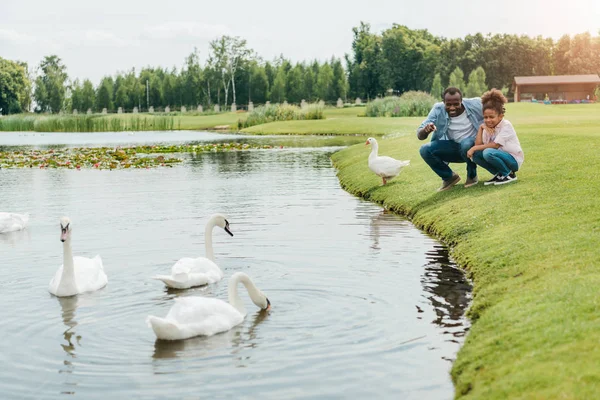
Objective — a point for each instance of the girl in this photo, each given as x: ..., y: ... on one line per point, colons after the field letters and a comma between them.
x: 497, y: 147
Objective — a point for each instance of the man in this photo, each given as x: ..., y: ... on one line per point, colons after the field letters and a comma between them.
x: 454, y: 122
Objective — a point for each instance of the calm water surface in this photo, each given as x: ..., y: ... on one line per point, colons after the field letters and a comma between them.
x: 364, y: 304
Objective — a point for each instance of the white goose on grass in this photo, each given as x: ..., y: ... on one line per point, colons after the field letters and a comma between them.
x: 383, y: 166
x: 11, y: 222
x: 204, y: 316
x: 77, y: 274
x: 191, y: 272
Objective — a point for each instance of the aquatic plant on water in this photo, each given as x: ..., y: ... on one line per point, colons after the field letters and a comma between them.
x: 78, y: 158
x: 112, y: 157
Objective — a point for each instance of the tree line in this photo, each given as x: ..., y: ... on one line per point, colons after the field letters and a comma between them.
x: 403, y: 59
x: 393, y: 62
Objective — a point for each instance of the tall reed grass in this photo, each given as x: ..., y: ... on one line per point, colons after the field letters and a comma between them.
x: 86, y: 123
x: 279, y: 112
x: 410, y: 104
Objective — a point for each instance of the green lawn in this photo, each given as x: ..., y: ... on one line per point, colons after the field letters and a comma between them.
x: 532, y: 249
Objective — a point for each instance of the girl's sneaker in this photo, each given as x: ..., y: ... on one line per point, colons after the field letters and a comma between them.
x: 492, y: 181
x: 512, y: 177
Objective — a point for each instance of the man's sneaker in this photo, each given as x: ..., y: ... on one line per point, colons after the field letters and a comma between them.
x: 492, y: 181
x: 506, y: 179
x: 448, y: 183
x: 471, y: 182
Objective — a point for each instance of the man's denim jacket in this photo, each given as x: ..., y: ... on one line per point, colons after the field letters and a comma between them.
x: 440, y: 118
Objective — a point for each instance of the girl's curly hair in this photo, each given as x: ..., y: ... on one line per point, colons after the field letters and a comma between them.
x: 494, y: 100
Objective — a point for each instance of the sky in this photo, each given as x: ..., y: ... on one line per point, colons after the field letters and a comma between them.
x: 100, y: 38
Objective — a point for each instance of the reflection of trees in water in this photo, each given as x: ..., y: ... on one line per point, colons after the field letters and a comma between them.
x: 68, y: 307
x: 449, y: 291
x: 261, y: 160
x: 236, y: 339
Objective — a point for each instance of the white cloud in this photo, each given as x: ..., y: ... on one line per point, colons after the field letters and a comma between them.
x: 185, y: 30
x: 13, y: 36
x: 97, y: 38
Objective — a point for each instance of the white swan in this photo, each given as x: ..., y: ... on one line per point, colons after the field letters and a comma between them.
x: 195, y: 316
x: 10, y: 222
x: 77, y: 274
x: 190, y: 272
x: 383, y: 166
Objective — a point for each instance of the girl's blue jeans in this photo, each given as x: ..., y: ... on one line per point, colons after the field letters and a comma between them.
x: 496, y: 161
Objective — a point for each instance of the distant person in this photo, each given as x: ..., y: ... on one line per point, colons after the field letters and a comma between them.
x: 454, y: 123
x: 497, y: 146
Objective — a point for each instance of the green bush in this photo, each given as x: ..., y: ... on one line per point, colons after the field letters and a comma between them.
x: 280, y: 112
x: 410, y: 104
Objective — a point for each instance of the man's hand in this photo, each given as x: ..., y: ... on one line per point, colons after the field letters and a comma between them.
x: 427, y: 129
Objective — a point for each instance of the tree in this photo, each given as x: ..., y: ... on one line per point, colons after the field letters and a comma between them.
x: 476, y: 85
x: 408, y: 59
x: 457, y: 79
x: 121, y: 97
x: 278, y: 89
x: 50, y: 84
x: 340, y: 84
x: 88, y: 95
x: 295, y: 84
x: 229, y: 53
x: 14, y: 87
x: 582, y: 56
x: 169, y: 89
x: 259, y: 83
x: 192, y: 79
x: 436, y: 87
x: 561, y: 55
x: 324, y: 88
x: 364, y: 63
x: 104, y: 94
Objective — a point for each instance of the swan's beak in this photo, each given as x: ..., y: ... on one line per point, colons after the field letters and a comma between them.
x: 366, y: 144
x: 63, y: 235
x: 268, y: 305
x: 227, y: 230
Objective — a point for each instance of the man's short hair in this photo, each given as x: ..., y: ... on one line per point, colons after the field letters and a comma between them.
x: 452, y: 90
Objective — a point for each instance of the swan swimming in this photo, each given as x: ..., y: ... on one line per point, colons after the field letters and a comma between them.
x: 195, y: 316
x: 11, y: 222
x: 77, y: 274
x: 383, y: 166
x: 190, y: 272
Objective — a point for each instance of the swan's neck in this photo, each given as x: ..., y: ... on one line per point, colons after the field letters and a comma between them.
x: 374, y: 150
x: 67, y: 280
x: 208, y: 240
x: 234, y: 297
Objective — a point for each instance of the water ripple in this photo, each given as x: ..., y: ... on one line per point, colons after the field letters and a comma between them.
x: 364, y: 304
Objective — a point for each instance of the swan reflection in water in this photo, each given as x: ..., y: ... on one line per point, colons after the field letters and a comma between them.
x: 13, y: 238
x: 68, y: 307
x: 200, y: 346
x: 385, y: 224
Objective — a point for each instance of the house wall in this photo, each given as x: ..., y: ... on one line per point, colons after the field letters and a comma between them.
x: 555, y: 92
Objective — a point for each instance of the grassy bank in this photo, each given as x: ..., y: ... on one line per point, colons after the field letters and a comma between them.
x: 531, y: 248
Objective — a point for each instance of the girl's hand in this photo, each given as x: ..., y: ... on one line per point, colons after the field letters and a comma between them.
x: 471, y: 152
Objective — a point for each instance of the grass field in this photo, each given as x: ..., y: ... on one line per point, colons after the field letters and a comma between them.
x: 531, y: 248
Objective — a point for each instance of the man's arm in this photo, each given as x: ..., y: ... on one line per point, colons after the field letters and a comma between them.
x: 428, y: 125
